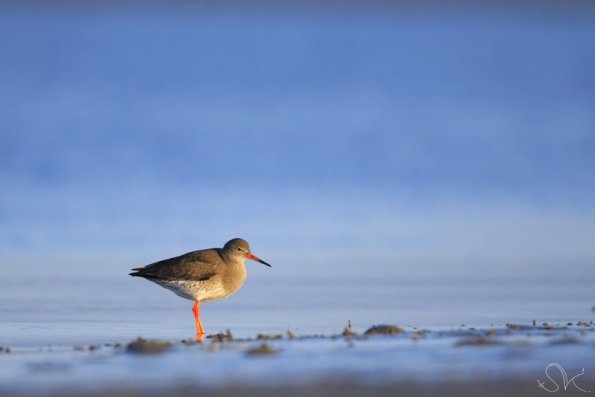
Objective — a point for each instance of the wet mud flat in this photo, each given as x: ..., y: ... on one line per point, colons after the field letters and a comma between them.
x: 338, y: 388
x: 383, y: 359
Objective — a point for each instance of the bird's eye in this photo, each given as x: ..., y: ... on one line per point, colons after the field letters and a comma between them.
x: 239, y: 249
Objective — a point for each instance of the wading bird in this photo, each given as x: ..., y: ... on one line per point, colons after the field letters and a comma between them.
x: 202, y: 276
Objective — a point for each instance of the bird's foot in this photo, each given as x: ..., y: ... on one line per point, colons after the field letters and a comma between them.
x: 199, y: 338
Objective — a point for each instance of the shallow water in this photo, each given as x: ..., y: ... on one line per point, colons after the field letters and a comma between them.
x: 73, y: 310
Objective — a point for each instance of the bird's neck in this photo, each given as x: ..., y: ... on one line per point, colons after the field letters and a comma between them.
x: 234, y: 259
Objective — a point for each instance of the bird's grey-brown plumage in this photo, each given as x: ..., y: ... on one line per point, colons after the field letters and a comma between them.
x: 197, y: 265
x: 204, y: 275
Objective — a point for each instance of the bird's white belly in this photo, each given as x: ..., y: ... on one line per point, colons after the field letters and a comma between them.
x: 194, y: 290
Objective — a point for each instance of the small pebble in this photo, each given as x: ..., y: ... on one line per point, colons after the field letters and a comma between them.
x: 222, y: 337
x: 478, y: 341
x: 269, y: 337
x: 347, y: 331
x: 262, y: 350
x: 422, y: 332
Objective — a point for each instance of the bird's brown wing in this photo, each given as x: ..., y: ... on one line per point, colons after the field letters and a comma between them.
x: 197, y: 266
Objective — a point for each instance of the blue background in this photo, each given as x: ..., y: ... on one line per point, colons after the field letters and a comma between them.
x: 438, y: 141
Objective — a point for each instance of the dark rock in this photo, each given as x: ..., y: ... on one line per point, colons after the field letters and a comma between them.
x: 384, y: 330
x: 142, y: 346
x: 262, y: 350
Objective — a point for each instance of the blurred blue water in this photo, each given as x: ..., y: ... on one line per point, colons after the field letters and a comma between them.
x: 429, y: 142
x: 396, y: 101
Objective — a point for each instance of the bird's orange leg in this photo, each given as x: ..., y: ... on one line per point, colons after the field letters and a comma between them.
x: 200, y: 331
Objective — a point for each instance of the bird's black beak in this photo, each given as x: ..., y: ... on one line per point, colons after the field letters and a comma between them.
x: 254, y: 258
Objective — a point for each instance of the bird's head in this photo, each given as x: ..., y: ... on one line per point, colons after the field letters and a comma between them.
x: 238, y: 248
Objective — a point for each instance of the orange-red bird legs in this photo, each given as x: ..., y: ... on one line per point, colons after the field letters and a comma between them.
x: 200, y: 331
